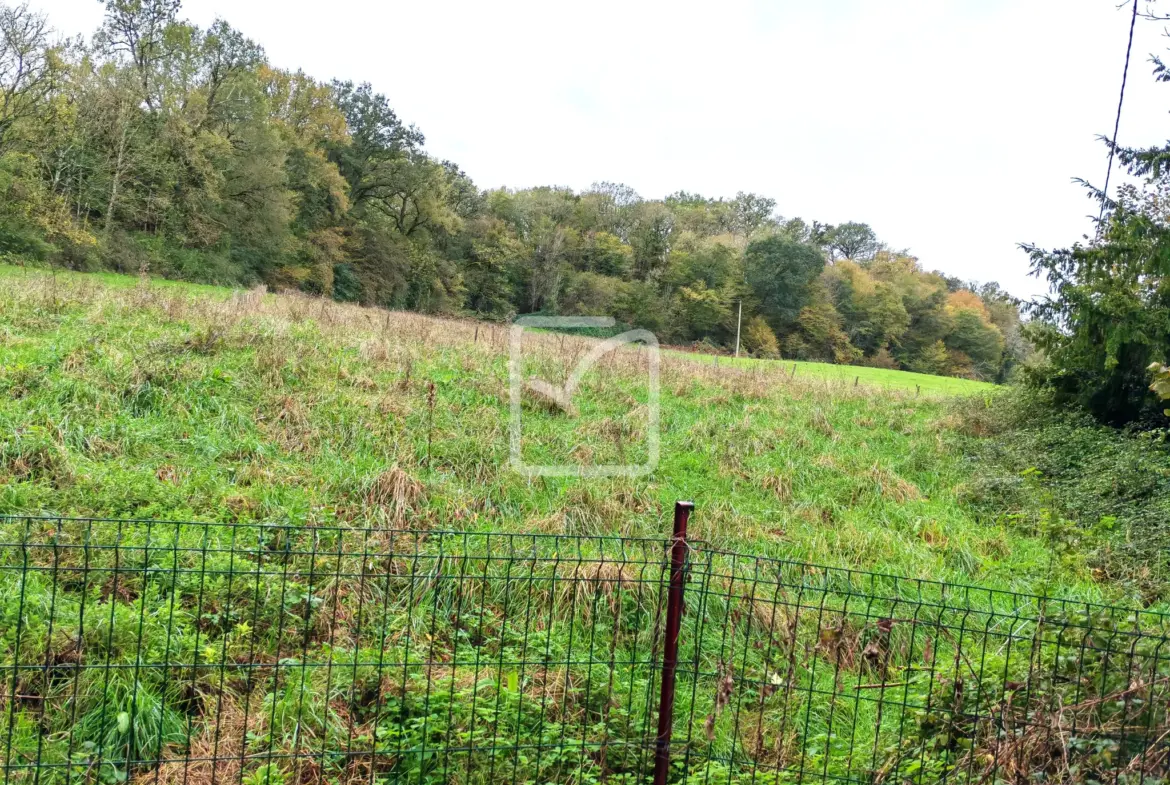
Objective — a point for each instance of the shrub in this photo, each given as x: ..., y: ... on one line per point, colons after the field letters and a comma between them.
x: 882, y: 359
x: 1114, y: 485
x: 590, y: 294
x: 759, y: 340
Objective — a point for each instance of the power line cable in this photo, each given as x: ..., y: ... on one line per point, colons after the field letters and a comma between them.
x: 1117, y: 123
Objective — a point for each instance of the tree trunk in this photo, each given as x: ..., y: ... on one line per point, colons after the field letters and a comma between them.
x: 114, y: 185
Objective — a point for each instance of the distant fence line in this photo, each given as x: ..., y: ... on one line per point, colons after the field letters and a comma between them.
x: 180, y: 653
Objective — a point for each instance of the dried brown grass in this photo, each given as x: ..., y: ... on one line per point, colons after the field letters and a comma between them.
x: 779, y: 484
x: 289, y: 425
x: 586, y: 586
x: 395, y: 494
x: 892, y: 486
x: 217, y: 749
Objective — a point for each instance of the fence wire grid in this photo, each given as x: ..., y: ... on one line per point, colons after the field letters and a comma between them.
x: 174, y: 653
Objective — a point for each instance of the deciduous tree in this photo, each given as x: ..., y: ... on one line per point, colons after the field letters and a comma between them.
x: 781, y: 273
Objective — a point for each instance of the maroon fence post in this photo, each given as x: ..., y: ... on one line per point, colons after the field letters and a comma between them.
x: 674, y: 609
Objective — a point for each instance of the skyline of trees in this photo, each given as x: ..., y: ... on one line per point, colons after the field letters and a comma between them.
x: 159, y: 146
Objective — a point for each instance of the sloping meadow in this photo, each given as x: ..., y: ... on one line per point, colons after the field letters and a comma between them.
x: 175, y: 402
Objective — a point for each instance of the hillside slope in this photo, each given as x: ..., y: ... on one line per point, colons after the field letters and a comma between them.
x: 128, y: 398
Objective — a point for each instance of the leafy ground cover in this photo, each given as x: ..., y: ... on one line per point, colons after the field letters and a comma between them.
x: 1101, y: 493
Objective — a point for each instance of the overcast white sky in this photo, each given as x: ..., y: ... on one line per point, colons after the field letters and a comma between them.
x: 953, y: 127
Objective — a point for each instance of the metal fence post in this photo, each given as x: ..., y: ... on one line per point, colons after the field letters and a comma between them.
x: 674, y: 609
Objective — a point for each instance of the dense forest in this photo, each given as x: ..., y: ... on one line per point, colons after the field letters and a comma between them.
x: 161, y: 147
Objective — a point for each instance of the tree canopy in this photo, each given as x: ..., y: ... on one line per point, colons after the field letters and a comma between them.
x: 157, y: 145
x: 1107, y: 318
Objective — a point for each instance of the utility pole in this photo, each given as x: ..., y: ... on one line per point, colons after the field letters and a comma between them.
x: 738, y: 324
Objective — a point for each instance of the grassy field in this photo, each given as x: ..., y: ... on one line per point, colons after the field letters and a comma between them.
x: 926, y: 384
x: 129, y: 398
x: 875, y: 377
x: 17, y: 275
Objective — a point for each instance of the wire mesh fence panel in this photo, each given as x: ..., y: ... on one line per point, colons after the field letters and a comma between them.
x: 209, y: 654
x: 796, y: 673
x: 191, y: 654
